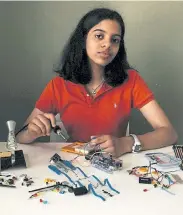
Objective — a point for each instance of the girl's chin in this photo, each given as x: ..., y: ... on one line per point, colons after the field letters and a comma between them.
x: 102, y: 63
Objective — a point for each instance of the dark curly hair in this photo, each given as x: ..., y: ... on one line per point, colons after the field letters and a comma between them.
x: 74, y: 61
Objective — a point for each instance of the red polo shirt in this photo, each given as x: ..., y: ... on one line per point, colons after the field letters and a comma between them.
x: 107, y: 113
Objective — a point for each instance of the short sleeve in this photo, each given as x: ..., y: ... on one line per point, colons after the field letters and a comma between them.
x: 47, y: 101
x: 141, y: 93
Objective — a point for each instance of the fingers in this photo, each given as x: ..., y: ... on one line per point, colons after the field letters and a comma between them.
x: 103, y: 145
x: 109, y: 150
x: 51, y: 117
x: 34, y: 130
x: 104, y: 142
x: 95, y: 140
x: 44, y: 124
x: 37, y: 122
x: 41, y: 125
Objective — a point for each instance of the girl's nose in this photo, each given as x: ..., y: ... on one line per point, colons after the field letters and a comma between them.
x: 106, y: 44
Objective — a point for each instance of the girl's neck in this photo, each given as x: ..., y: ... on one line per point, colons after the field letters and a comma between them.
x: 97, y: 74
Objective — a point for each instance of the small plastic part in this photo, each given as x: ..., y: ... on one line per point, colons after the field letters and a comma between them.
x: 49, y: 180
x: 26, y: 181
x: 106, y: 192
x: 55, y: 169
x: 90, y: 188
x: 43, y: 201
x: 58, y: 172
x: 69, y: 164
x: 70, y: 190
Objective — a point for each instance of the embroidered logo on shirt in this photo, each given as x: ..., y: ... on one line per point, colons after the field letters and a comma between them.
x: 115, y: 105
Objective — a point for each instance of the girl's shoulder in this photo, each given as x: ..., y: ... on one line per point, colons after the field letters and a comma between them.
x: 57, y: 80
x: 132, y: 76
x: 132, y: 73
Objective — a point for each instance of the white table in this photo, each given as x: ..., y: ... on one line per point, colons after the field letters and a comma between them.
x: 131, y: 200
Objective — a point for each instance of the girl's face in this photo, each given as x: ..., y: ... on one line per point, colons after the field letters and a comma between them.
x: 103, y: 42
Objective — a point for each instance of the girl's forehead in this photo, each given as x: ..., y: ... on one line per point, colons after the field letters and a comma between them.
x: 108, y: 25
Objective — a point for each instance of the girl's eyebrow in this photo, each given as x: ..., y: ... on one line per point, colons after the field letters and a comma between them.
x: 105, y: 32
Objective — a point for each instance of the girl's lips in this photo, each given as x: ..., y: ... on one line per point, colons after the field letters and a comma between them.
x: 104, y: 54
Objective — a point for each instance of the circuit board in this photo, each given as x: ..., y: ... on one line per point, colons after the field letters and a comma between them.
x: 106, y: 163
x: 162, y: 159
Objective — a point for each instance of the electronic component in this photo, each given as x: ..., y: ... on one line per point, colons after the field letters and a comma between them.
x: 91, y: 153
x: 26, y: 181
x: 106, y: 163
x: 78, y: 191
x: 144, y: 180
x: 163, y: 160
x: 7, y: 180
x: 61, y: 164
x: 6, y: 161
x: 56, y: 159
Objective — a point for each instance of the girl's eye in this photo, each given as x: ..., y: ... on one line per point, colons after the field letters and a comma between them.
x: 115, y: 40
x: 99, y: 36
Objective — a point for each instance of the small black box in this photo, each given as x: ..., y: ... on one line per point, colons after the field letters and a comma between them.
x: 78, y: 191
x: 144, y: 180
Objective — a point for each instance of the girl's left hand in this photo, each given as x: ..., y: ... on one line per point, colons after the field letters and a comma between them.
x: 115, y: 146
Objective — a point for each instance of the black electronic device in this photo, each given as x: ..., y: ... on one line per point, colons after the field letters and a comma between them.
x: 78, y: 191
x: 6, y: 161
x: 144, y: 180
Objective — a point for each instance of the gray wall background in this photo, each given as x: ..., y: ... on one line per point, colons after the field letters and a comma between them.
x: 32, y: 35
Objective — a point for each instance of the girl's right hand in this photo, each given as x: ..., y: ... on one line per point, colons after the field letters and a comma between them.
x: 41, y: 125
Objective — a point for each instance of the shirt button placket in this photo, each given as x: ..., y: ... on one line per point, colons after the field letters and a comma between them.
x: 89, y: 100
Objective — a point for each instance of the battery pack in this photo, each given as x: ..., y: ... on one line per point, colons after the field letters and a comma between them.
x: 144, y: 180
